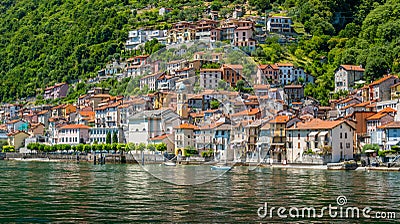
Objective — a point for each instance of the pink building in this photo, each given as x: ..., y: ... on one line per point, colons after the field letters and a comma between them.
x: 59, y: 90
x: 244, y: 37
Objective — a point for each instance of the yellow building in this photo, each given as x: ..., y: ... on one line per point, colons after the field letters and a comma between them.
x: 181, y: 102
x: 17, y: 139
x: 184, y: 138
x: 395, y: 91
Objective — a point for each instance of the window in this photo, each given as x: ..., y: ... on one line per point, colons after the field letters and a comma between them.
x: 298, y: 136
x: 341, y: 145
x: 298, y: 144
x: 345, y: 135
x: 340, y: 135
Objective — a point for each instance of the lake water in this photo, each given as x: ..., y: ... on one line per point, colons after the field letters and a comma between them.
x: 69, y: 192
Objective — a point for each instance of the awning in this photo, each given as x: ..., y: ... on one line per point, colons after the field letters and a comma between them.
x: 313, y: 134
x: 323, y: 133
x: 237, y: 141
x: 278, y: 144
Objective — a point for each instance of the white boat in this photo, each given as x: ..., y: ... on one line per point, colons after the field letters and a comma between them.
x: 170, y: 164
x: 220, y: 167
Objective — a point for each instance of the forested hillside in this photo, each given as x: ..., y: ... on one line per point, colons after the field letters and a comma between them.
x: 48, y: 41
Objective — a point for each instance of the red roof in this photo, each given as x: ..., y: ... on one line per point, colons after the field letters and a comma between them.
x: 353, y: 68
x: 383, y: 79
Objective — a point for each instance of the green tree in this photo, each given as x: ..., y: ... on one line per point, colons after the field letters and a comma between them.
x: 214, y: 104
x: 161, y: 147
x: 115, y: 137
x: 108, y: 138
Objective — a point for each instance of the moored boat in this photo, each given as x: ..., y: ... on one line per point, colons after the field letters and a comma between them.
x: 220, y: 167
x: 347, y: 165
x: 169, y: 164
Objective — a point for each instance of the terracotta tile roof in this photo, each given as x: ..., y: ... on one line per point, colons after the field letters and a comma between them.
x: 348, y: 106
x: 383, y: 79
x: 362, y: 104
x: 244, y: 28
x: 261, y: 87
x: 388, y: 110
x: 210, y: 70
x: 13, y: 121
x: 17, y: 132
x: 160, y: 137
x: 201, y: 114
x: 376, y: 116
x: 75, y: 126
x: 250, y: 112
x: 353, y: 68
x: 262, y: 67
x: 317, y: 124
x: 293, y: 86
x: 239, y: 67
x: 279, y: 119
x: 57, y: 107
x: 210, y: 126
x: 395, y: 85
x: 87, y: 113
x: 186, y: 126
x: 394, y: 124
x: 43, y: 112
x: 101, y: 96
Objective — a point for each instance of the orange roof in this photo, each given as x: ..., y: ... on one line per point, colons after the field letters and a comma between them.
x: 394, y: 124
x: 210, y: 126
x: 384, y: 78
x: 316, y: 124
x: 292, y: 86
x: 16, y: 132
x: 250, y: 112
x: 186, y: 126
x: 160, y: 137
x: 233, y: 66
x: 13, y: 121
x: 201, y: 114
x: 353, y: 68
x: 75, y: 126
x: 362, y: 104
x: 43, y: 112
x: 376, y: 116
x: 102, y: 96
x: 388, y: 110
x: 280, y: 119
x: 348, y: 106
x: 262, y: 67
x: 260, y: 87
x: 87, y: 113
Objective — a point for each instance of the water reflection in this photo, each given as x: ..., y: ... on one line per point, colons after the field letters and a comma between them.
x: 65, y: 192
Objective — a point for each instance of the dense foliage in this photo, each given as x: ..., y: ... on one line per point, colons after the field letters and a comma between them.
x: 43, y: 42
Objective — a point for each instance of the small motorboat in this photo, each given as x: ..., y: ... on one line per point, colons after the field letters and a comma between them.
x: 169, y: 164
x: 220, y: 167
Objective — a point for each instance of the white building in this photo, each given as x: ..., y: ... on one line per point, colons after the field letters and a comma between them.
x: 151, y: 123
x: 319, y: 136
x: 346, y: 76
x: 135, y: 38
x: 279, y: 24
x: 209, y: 77
x: 73, y: 134
x: 288, y: 73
